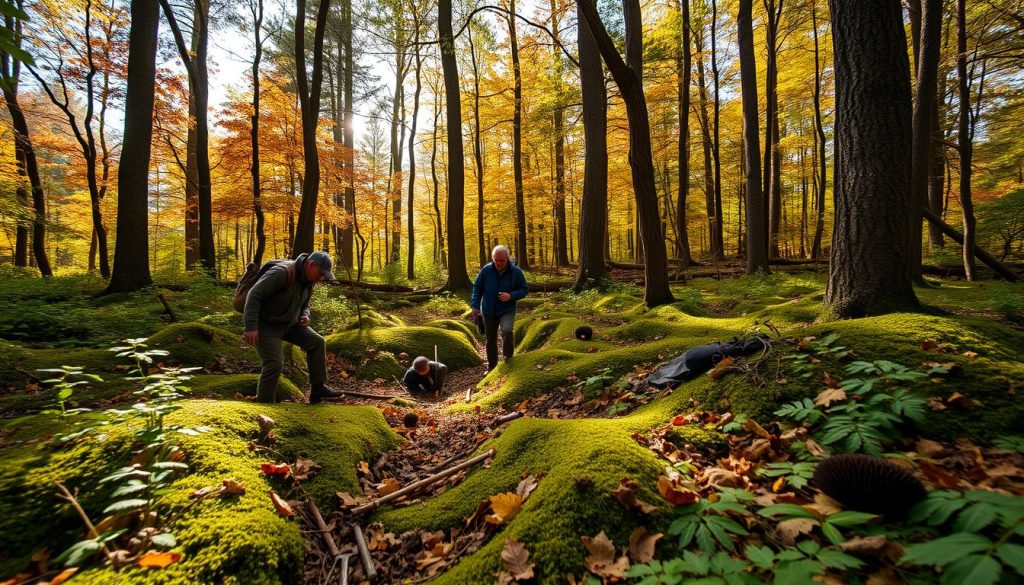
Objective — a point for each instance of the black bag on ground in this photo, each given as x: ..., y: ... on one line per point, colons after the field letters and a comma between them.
x: 697, y: 360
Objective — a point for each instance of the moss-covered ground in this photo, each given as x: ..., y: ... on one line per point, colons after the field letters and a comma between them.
x: 974, y: 326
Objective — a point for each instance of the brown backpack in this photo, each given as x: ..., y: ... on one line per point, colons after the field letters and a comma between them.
x: 252, y: 274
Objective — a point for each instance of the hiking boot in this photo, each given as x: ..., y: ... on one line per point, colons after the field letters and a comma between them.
x: 319, y: 393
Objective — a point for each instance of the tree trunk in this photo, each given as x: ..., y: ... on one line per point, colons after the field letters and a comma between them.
x: 395, y: 179
x: 718, y: 242
x: 439, y: 252
x: 757, y: 252
x: 821, y: 177
x: 706, y: 139
x: 348, y: 142
x: 309, y: 103
x: 521, y: 251
x: 924, y: 100
x: 131, y: 251
x: 477, y: 154
x: 628, y: 76
x: 684, y: 69
x: 772, y: 188
x: 964, y: 139
x: 254, y: 134
x: 458, y: 279
x: 870, y: 270
x: 411, y: 270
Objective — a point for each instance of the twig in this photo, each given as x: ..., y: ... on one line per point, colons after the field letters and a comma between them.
x: 421, y: 483
x: 167, y: 308
x: 364, y: 553
x: 506, y: 418
x: 85, y: 517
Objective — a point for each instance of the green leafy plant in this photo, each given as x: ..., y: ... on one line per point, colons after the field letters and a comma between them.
x: 694, y: 568
x: 65, y: 382
x: 829, y: 524
x: 735, y: 425
x: 813, y: 351
x: 1011, y: 442
x: 709, y: 523
x: 799, y: 564
x: 796, y: 474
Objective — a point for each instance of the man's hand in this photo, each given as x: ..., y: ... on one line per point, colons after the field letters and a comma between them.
x: 504, y: 297
x: 474, y: 313
x: 304, y: 320
x: 251, y: 337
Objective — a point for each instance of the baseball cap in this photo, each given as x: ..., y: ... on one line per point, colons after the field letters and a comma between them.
x: 323, y: 261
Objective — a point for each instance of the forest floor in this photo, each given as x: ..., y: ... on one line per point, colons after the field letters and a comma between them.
x: 595, y: 476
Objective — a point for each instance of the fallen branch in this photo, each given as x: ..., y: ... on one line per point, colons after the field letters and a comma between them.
x: 413, y: 487
x: 167, y: 308
x: 93, y: 533
x: 324, y: 531
x: 356, y: 394
x: 990, y: 260
x: 364, y: 553
x: 506, y: 418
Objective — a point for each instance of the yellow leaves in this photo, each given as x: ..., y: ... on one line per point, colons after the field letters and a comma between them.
x: 158, y: 560
x: 363, y: 469
x: 601, y: 557
x: 390, y: 485
x: 505, y: 507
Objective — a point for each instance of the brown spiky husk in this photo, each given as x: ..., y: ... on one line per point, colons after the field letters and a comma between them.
x: 868, y: 484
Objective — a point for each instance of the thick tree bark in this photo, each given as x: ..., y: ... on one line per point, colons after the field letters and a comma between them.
x: 561, y: 245
x: 348, y: 136
x: 718, y: 240
x: 439, y: 254
x: 628, y: 76
x: 870, y: 270
x: 458, y: 278
x: 772, y: 187
x: 821, y: 176
x: 521, y: 250
x: 309, y: 103
x: 594, y: 206
x: 397, y: 135
x: 684, y: 69
x: 924, y: 100
x: 964, y: 139
x: 411, y: 236
x: 131, y: 251
x: 254, y: 133
x: 757, y: 252
x: 706, y: 139
x: 477, y: 155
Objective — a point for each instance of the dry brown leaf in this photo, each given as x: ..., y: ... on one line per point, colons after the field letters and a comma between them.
x: 304, y: 468
x: 938, y: 475
x: 824, y: 505
x: 970, y: 354
x: 721, y: 368
x: 865, y: 545
x: 63, y: 576
x: 380, y: 540
x: 751, y: 426
x: 601, y: 558
x: 626, y: 495
x: 827, y: 397
x: 517, y: 560
x: 282, y: 507
x: 719, y: 477
x: 790, y: 529
x: 676, y: 492
x: 363, y: 469
x: 390, y: 485
x: 929, y: 448
x: 349, y: 501
x: 526, y: 487
x: 885, y: 576
x: 959, y: 400
x: 814, y: 448
x: 641, y: 545
x: 829, y: 380
x: 935, y: 403
x: 505, y: 507
x: 158, y: 560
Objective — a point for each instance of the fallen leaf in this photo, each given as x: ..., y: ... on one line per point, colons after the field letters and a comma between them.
x: 380, y: 540
x: 873, y: 546
x: 626, y: 495
x: 751, y: 426
x: 601, y: 558
x: 526, y: 487
x: 929, y: 345
x: 959, y: 400
x: 721, y: 368
x: 348, y: 501
x: 824, y: 505
x: 885, y: 576
x: 230, y: 487
x: 829, y: 380
x: 935, y: 403
x: 719, y: 477
x: 641, y: 545
x: 827, y: 397
x: 282, y: 506
x: 938, y: 475
x: 390, y: 485
x: 517, y: 560
x: 790, y: 529
x: 505, y: 507
x: 779, y: 484
x: 304, y: 468
x: 282, y: 469
x: 929, y: 448
x: 63, y: 576
x: 675, y: 492
x: 363, y: 469
x: 158, y: 560
x: 970, y: 354
x: 814, y: 448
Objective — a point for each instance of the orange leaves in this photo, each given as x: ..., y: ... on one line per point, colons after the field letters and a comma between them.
x: 390, y: 485
x: 676, y: 491
x: 505, y: 507
x: 721, y: 368
x: 601, y: 559
x: 282, y: 507
x: 282, y: 469
x: 158, y: 560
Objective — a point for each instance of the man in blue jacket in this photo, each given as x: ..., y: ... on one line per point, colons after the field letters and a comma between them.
x: 497, y: 288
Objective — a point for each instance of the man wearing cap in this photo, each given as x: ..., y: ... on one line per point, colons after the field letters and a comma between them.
x: 276, y: 310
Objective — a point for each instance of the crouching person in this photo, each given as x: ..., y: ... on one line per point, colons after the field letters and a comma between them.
x: 425, y: 376
x: 277, y: 310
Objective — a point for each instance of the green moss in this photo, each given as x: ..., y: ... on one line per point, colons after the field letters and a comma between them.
x: 454, y: 325
x: 232, y: 540
x: 381, y: 365
x: 373, y: 319
x: 198, y: 344
x: 706, y: 439
x: 227, y: 386
x: 453, y: 348
x: 583, y: 461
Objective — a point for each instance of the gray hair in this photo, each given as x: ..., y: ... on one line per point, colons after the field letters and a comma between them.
x: 500, y: 248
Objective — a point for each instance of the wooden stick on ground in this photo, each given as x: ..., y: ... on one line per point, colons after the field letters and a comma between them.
x: 364, y: 553
x: 368, y: 507
x: 506, y: 418
x: 368, y: 395
x: 324, y: 532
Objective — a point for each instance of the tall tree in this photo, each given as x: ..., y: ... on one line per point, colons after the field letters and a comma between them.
x: 706, y: 136
x: 517, y: 142
x: 964, y: 141
x: 925, y: 90
x: 593, y: 228
x: 558, y: 122
x: 478, y: 159
x: 757, y: 251
x: 684, y: 69
x: 820, y: 174
x: 870, y: 270
x: 199, y: 92
x: 772, y: 188
x: 628, y: 76
x: 348, y: 136
x: 458, y: 278
x: 309, y: 87
x: 131, y: 251
x: 410, y: 272
x: 24, y: 151
x: 718, y: 240
x: 256, y: 8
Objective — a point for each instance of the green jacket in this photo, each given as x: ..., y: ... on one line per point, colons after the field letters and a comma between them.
x: 272, y: 303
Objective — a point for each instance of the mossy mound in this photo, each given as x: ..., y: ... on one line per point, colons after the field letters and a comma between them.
x: 230, y: 540
x: 20, y: 365
x: 373, y: 319
x: 452, y: 346
x: 460, y: 326
x: 199, y: 344
x: 384, y: 365
x: 705, y: 439
x: 583, y: 461
x: 229, y: 385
